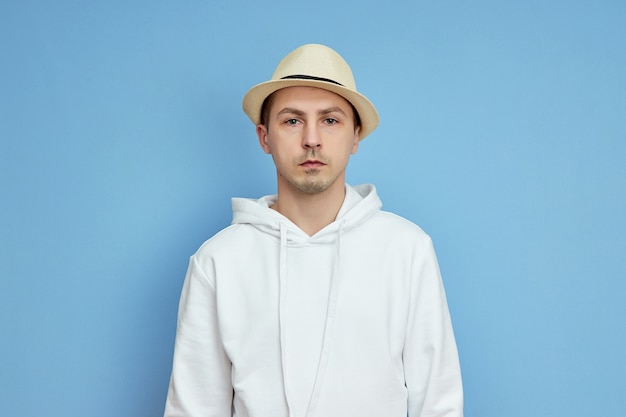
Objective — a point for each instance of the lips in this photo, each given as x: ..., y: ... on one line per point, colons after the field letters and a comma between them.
x: 312, y: 163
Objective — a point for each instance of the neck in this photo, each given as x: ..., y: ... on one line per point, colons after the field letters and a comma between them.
x: 310, y: 212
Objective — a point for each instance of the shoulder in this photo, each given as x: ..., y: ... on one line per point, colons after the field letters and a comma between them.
x: 389, y: 230
x: 224, y: 248
x: 226, y: 239
x: 398, y: 224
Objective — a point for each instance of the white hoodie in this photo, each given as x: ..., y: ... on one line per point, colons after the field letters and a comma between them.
x: 349, y: 322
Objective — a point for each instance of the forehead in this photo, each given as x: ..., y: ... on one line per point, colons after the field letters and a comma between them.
x: 307, y: 96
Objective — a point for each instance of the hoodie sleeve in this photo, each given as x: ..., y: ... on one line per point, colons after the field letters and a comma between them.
x: 200, y: 384
x: 431, y: 362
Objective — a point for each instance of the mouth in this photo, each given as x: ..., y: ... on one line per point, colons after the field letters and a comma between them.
x: 312, y: 163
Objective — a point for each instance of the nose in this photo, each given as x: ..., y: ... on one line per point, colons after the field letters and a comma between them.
x: 311, y: 137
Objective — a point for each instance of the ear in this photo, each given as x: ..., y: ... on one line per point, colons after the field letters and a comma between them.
x: 261, y: 132
x: 357, y: 140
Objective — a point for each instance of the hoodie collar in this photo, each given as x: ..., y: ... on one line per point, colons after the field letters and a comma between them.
x: 360, y: 203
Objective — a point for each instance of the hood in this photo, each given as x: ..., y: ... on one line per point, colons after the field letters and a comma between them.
x: 360, y: 203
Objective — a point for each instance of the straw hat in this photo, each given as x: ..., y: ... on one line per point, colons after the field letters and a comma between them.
x: 313, y: 66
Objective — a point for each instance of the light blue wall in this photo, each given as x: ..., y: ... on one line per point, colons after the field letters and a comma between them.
x: 122, y: 140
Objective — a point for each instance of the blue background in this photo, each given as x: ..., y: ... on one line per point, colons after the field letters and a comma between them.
x: 122, y: 141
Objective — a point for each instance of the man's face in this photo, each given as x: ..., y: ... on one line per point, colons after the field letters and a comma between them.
x: 310, y: 134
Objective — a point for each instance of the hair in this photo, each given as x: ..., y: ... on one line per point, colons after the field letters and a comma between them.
x: 266, y: 107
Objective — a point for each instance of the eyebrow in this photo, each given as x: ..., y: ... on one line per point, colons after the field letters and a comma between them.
x: 329, y: 110
x: 290, y: 110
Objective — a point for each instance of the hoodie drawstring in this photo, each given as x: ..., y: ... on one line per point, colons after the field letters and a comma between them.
x: 282, y: 306
x: 328, y: 328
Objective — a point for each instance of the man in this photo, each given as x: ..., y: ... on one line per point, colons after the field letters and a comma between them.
x: 314, y: 302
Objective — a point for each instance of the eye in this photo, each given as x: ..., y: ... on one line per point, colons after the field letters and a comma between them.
x: 291, y: 122
x: 331, y: 121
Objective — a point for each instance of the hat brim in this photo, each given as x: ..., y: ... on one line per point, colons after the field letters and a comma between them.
x: 254, y: 98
